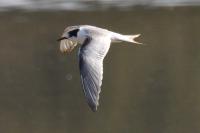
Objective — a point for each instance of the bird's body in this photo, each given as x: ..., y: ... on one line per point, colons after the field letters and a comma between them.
x: 95, y: 43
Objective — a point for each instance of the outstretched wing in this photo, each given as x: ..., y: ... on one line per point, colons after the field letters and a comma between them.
x: 91, y: 55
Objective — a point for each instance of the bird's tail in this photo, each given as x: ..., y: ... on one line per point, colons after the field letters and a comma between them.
x: 128, y: 38
x: 131, y: 38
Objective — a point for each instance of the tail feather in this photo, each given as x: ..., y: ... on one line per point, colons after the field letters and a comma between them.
x: 116, y: 37
x: 131, y: 38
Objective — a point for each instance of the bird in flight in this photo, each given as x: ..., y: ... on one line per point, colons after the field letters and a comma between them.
x: 95, y: 43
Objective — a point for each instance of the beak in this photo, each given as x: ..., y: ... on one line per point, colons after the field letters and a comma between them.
x: 62, y: 38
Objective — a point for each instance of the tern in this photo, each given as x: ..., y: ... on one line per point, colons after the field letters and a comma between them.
x: 95, y: 43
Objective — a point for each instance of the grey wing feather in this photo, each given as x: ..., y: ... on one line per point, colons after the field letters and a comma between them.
x: 91, y: 55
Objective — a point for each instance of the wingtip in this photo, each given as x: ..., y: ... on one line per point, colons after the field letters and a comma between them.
x: 93, y: 107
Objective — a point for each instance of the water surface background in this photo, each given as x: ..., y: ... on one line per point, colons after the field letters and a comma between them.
x: 150, y: 88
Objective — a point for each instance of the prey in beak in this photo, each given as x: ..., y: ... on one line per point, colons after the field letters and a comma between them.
x: 66, y: 44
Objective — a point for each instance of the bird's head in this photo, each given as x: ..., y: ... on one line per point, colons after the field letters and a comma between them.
x: 70, y: 32
x: 68, y: 40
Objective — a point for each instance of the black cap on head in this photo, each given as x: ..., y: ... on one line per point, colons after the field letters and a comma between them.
x: 73, y: 33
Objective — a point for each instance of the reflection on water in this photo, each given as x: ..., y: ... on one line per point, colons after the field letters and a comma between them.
x: 152, y: 88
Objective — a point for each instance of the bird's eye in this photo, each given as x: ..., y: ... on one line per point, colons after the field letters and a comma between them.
x: 73, y: 33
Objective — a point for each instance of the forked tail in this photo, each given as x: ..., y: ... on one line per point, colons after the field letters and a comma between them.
x: 131, y: 38
x: 116, y: 37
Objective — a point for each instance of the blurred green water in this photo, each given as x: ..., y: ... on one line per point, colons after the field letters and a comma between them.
x: 152, y: 88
